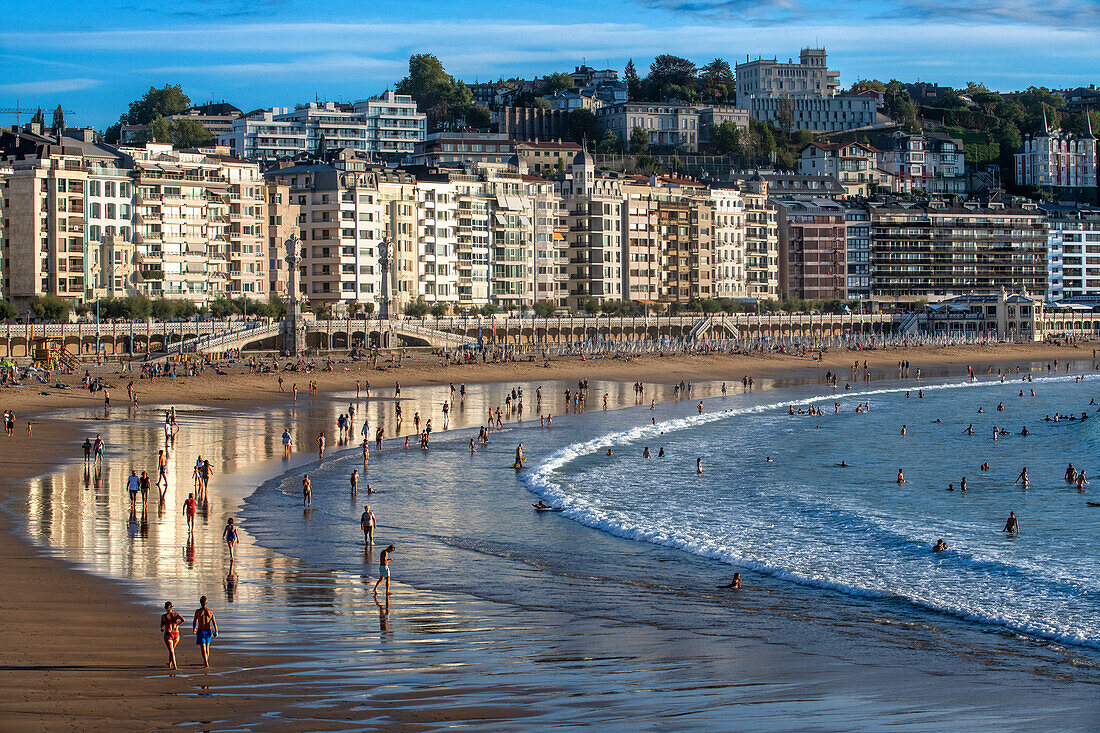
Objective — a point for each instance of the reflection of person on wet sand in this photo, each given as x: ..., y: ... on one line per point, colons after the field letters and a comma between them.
x: 383, y: 613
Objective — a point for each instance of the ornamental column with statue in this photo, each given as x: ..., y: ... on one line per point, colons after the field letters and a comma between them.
x: 294, y: 326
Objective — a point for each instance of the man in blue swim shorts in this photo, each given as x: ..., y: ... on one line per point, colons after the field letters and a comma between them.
x: 206, y: 629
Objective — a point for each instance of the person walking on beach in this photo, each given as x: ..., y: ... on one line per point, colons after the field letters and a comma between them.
x: 384, y: 568
x: 189, y: 506
x: 145, y: 485
x: 368, y: 523
x: 97, y: 449
x: 321, y: 446
x: 230, y: 537
x: 286, y: 443
x: 307, y: 492
x: 162, y: 470
x: 133, y: 485
x: 1012, y: 525
x: 87, y: 451
x: 170, y: 623
x: 205, y: 627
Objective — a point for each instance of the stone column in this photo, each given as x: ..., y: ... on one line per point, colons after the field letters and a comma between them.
x: 294, y: 327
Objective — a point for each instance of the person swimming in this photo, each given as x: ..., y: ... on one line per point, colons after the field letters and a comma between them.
x: 540, y: 504
x: 939, y: 546
x: 842, y: 464
x: 735, y: 583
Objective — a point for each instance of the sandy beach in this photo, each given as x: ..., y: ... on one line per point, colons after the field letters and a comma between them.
x: 82, y: 651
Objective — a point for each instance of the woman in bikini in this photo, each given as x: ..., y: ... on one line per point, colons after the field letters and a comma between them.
x: 170, y: 624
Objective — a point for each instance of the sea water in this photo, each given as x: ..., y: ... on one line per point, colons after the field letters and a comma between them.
x: 803, y: 518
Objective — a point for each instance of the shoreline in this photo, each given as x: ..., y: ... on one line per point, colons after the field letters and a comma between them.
x: 49, y: 594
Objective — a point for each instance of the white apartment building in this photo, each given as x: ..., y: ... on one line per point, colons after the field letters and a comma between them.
x: 200, y: 224
x: 761, y: 239
x: 438, y: 256
x: 1055, y: 159
x: 730, y: 274
x: 551, y: 257
x: 593, y: 213
x: 387, y: 125
x: 342, y: 224
x: 1073, y: 258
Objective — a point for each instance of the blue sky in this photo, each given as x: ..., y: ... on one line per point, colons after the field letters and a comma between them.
x: 94, y: 57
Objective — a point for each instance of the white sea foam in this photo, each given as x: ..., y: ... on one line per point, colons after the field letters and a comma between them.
x: 788, y: 526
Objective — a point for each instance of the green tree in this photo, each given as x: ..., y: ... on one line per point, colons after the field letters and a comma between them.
x: 725, y: 138
x: 668, y: 70
x: 784, y: 114
x: 633, y: 81
x: 477, y: 116
x: 610, y: 144
x: 556, y: 82
x: 488, y: 309
x: 544, y: 309
x: 639, y: 141
x: 135, y: 307
x: 528, y: 99
x: 38, y: 118
x: 50, y: 308
x: 717, y: 79
x: 163, y: 309
x: 584, y: 126
x: 439, y: 309
x: 899, y: 105
x: 164, y: 102
x: 8, y: 311
x: 418, y: 308
x: 436, y: 92
x: 58, y: 120
x: 190, y: 134
x: 863, y: 85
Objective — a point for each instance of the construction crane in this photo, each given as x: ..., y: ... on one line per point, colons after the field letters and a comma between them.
x: 17, y: 110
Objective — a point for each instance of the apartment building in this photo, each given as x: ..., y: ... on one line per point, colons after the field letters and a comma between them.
x: 686, y: 224
x: 438, y: 238
x: 341, y: 224
x: 1073, y: 258
x: 761, y: 236
x: 1059, y: 161
x: 641, y: 240
x: 551, y: 257
x: 592, y: 204
x: 67, y: 217
x: 812, y: 248
x: 809, y: 78
x: 929, y: 161
x: 682, y: 126
x: 802, y: 95
x: 543, y: 157
x: 282, y: 224
x: 388, y: 126
x: 932, y: 250
x: 200, y: 224
x: 730, y: 274
x: 858, y: 232
x: 854, y: 164
x: 463, y: 149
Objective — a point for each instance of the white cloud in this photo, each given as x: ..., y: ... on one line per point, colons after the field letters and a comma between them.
x: 51, y: 86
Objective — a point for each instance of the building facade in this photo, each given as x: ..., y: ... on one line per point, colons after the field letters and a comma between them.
x: 931, y: 162
x: 1059, y: 161
x: 388, y: 126
x: 854, y: 164
x: 682, y: 126
x: 1074, y: 250
x: 812, y: 248
x: 933, y: 250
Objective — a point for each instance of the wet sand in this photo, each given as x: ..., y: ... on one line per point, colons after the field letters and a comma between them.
x: 80, y: 650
